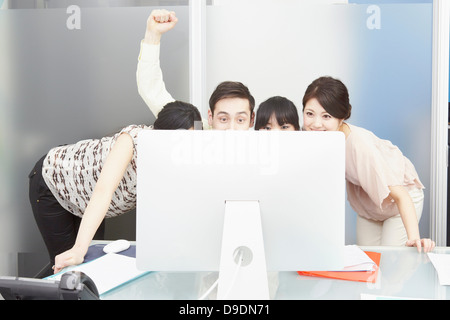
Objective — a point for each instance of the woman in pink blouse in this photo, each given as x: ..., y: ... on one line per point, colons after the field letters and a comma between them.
x: 383, y: 186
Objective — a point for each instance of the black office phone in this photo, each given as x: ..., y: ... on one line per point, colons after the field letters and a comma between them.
x: 73, y: 285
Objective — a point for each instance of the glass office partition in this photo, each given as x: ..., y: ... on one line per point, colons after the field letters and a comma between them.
x: 383, y: 53
x: 67, y: 73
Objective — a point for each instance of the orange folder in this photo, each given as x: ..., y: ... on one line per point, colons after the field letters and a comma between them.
x: 362, y: 276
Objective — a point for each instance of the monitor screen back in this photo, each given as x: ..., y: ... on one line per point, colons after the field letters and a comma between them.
x: 185, y: 177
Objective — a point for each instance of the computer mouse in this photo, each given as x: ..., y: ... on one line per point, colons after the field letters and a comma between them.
x: 116, y: 246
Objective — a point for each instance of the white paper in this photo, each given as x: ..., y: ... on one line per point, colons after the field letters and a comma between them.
x: 357, y: 260
x: 108, y: 271
x: 366, y: 296
x: 441, y: 263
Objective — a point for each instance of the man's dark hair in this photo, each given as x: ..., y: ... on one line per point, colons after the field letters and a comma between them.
x: 231, y: 89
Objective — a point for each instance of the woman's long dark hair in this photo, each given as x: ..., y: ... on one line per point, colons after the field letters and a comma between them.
x: 284, y: 109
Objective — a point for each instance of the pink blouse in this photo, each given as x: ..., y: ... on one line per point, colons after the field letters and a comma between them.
x: 372, y: 166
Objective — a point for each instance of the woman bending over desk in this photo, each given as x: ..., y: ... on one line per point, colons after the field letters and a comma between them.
x: 74, y: 187
x: 383, y: 186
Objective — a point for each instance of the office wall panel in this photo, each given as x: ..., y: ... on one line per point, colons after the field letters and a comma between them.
x: 394, y: 86
x: 65, y: 76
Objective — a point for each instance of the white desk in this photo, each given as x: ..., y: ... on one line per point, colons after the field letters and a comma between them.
x: 403, y: 273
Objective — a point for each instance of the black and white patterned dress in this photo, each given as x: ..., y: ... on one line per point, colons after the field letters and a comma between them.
x: 72, y: 171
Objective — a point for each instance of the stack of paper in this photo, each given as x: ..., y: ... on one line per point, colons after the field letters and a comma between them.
x: 359, y: 266
x: 357, y: 260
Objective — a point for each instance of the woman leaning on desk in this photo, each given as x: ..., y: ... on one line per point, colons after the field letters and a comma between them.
x: 382, y: 184
x: 74, y: 187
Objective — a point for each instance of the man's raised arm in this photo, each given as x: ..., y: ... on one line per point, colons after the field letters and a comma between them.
x: 149, y: 76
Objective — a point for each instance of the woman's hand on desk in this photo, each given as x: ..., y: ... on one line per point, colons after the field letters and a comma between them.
x: 68, y: 258
x: 427, y: 244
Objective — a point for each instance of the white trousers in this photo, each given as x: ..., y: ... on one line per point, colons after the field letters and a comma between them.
x: 390, y: 232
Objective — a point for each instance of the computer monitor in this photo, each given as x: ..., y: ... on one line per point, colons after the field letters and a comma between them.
x: 186, y: 179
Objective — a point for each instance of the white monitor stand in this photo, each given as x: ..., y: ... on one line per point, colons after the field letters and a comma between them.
x: 243, y: 272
